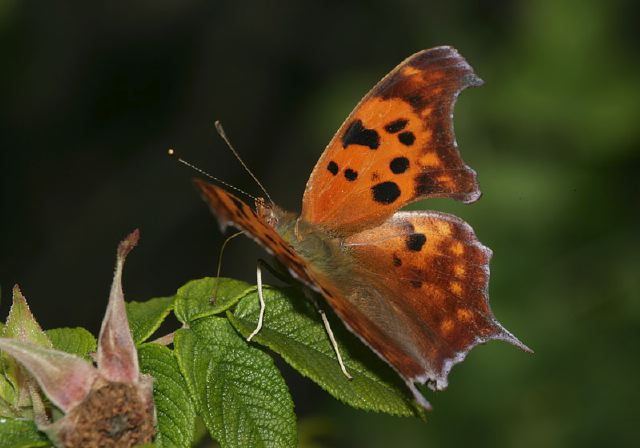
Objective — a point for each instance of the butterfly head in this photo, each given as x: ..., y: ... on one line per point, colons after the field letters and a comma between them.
x: 282, y: 221
x: 267, y: 211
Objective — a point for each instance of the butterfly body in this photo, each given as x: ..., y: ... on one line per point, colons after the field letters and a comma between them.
x: 411, y: 285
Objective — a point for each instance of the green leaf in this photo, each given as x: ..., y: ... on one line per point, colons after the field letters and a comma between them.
x: 293, y: 328
x: 7, y: 391
x: 145, y: 317
x: 174, y: 404
x: 77, y: 341
x: 19, y: 433
x: 193, y: 300
x: 6, y: 409
x: 22, y: 325
x: 241, y: 395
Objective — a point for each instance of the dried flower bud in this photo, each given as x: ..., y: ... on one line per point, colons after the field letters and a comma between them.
x: 108, y: 406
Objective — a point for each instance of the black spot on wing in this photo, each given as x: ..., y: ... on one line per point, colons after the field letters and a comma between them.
x: 396, y: 126
x: 415, y: 241
x: 385, y: 192
x: 407, y: 138
x: 399, y: 165
x: 397, y: 262
x: 356, y: 134
x: 416, y: 284
x: 350, y: 174
x: 333, y: 167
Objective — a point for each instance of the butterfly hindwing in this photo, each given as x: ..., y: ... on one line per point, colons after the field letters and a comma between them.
x: 424, y: 303
x: 397, y: 146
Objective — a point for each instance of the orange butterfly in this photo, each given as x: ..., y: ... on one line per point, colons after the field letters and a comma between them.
x: 411, y: 285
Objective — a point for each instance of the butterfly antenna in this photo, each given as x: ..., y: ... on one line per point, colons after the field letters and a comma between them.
x: 172, y: 153
x: 224, y: 137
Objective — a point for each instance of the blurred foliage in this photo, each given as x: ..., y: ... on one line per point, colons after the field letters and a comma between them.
x: 93, y: 94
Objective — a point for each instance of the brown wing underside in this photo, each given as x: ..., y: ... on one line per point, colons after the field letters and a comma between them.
x: 397, y: 146
x: 420, y: 299
x: 232, y: 211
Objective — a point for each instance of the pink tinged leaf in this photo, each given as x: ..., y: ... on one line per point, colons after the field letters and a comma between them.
x: 145, y: 389
x: 66, y: 379
x: 21, y: 324
x: 117, y: 356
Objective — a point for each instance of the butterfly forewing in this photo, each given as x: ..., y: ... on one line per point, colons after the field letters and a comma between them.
x: 397, y: 146
x: 232, y: 211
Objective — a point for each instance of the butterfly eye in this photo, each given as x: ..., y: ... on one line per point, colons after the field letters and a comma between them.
x: 265, y: 212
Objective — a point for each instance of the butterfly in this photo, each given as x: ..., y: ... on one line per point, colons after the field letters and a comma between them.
x: 412, y: 285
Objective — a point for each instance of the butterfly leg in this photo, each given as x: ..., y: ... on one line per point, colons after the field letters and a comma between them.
x: 261, y: 297
x: 277, y: 274
x: 334, y: 343
x: 327, y: 327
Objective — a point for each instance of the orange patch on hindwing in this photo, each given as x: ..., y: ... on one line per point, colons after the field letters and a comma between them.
x: 446, y: 326
x: 457, y: 248
x: 464, y: 314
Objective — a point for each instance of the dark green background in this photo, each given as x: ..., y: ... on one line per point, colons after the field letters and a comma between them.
x: 92, y: 95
